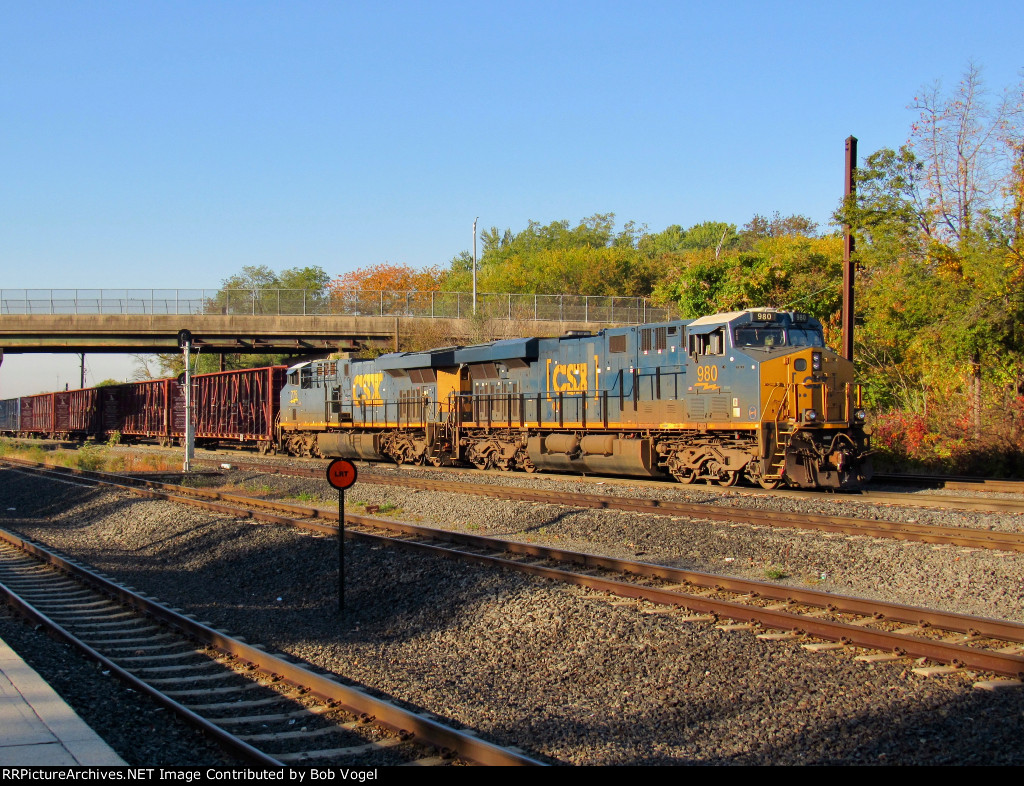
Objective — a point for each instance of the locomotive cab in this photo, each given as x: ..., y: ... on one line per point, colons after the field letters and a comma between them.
x: 810, y: 417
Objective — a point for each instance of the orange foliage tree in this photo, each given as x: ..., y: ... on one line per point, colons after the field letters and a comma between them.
x: 387, y: 277
x: 366, y: 289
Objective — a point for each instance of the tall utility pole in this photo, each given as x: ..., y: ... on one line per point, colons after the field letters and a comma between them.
x: 849, y: 191
x: 474, y: 264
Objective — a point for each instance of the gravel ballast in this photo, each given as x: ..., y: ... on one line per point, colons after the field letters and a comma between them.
x: 567, y: 676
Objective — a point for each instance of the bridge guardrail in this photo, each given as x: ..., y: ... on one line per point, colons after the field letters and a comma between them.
x: 300, y: 302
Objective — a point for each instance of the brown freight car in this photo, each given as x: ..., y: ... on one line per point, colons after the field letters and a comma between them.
x: 236, y: 406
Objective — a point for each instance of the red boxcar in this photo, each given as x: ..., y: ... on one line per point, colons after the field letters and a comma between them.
x: 240, y: 406
x: 37, y: 415
x: 84, y: 412
x: 236, y: 406
x: 76, y: 413
x: 137, y: 409
x: 63, y: 415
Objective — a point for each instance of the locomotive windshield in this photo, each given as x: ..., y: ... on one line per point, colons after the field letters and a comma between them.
x: 805, y: 337
x: 767, y: 336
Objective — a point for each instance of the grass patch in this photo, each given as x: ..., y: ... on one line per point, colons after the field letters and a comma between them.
x: 775, y: 573
x: 91, y: 456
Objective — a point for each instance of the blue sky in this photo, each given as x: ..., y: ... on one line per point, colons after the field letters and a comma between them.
x: 161, y: 145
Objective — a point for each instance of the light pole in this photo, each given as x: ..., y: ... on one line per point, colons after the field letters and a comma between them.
x: 474, y: 264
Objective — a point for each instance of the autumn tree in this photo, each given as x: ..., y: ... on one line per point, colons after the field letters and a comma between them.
x: 385, y: 287
x: 938, y: 245
x: 966, y: 143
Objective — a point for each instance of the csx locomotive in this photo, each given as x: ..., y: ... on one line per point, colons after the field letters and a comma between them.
x: 749, y: 394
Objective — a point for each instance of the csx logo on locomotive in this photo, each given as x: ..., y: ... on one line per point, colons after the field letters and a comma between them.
x: 567, y: 378
x: 366, y: 387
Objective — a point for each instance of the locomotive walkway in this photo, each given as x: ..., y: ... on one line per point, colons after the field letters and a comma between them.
x: 278, y: 320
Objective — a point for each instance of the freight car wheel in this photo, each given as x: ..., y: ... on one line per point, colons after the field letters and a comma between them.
x: 771, y: 485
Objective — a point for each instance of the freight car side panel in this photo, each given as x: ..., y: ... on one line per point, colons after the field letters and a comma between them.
x: 10, y: 420
x: 37, y: 414
x: 62, y: 413
x: 237, y: 405
x: 137, y: 409
x: 84, y: 412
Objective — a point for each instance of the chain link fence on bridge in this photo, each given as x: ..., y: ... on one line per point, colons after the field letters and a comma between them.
x: 301, y: 302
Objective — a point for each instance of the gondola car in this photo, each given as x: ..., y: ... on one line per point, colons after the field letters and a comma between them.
x: 749, y: 394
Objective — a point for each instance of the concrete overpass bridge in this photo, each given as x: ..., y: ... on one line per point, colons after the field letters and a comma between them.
x: 297, y: 322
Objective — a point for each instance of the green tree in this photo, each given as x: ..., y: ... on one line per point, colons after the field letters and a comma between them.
x: 940, y: 287
x: 257, y: 289
x: 785, y: 272
x: 589, y: 258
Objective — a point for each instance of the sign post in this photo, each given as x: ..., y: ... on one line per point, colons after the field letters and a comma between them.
x: 341, y: 473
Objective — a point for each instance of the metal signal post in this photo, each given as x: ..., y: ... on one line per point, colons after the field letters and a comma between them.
x: 341, y: 473
x: 185, y: 342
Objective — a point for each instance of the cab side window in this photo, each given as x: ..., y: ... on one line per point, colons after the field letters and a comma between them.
x: 712, y: 343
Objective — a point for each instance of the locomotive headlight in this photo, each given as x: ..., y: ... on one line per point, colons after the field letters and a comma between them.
x: 810, y: 415
x: 816, y: 361
x: 860, y: 415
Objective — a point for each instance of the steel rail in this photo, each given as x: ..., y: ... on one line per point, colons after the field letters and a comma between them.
x: 976, y: 538
x: 954, y: 482
x: 957, y: 536
x: 385, y: 713
x: 867, y: 496
x: 851, y: 634
x: 229, y: 742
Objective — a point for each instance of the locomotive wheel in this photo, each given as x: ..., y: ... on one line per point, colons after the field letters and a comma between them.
x: 686, y: 476
x: 771, y: 485
x: 728, y: 478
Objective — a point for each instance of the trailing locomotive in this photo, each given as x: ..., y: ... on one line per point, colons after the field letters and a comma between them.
x: 752, y: 394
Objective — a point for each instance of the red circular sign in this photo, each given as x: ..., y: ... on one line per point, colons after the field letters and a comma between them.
x: 341, y: 473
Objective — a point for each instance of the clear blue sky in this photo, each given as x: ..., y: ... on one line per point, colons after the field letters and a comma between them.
x: 161, y: 145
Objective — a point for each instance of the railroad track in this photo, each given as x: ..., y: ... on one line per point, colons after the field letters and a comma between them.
x: 263, y: 709
x: 847, y: 525
x: 986, y: 504
x: 954, y: 482
x: 891, y: 630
